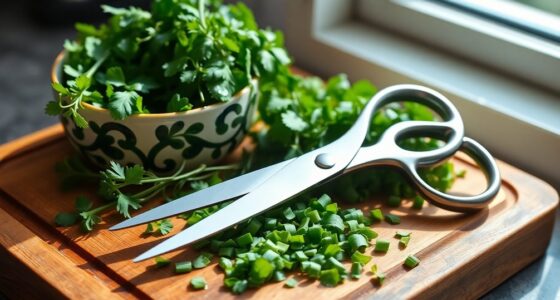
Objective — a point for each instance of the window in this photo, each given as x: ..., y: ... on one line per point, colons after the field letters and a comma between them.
x: 505, y: 81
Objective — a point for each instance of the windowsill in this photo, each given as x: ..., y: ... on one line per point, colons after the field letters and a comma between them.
x: 517, y: 121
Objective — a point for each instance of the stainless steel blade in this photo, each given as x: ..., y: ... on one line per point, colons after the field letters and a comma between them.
x: 224, y: 191
x: 285, y: 184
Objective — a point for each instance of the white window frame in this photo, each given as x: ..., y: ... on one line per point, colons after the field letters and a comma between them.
x: 517, y: 121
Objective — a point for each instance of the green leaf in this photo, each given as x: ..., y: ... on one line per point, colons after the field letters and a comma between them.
x: 281, y: 55
x: 93, y: 47
x: 66, y: 219
x: 178, y: 104
x: 188, y: 76
x: 59, y: 88
x: 134, y: 174
x: 293, y: 121
x: 115, y: 171
x: 121, y: 104
x: 83, y: 82
x: 53, y: 108
x: 230, y: 44
x: 182, y: 38
x: 79, y: 120
x: 115, y: 76
x: 266, y: 61
x: 83, y: 204
x: 124, y: 203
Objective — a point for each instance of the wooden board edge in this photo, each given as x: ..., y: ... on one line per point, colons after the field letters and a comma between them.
x: 33, y: 269
x: 31, y: 142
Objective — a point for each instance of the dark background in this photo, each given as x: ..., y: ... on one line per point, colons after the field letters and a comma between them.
x: 31, y: 35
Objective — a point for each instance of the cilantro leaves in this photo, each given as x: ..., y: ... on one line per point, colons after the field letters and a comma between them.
x: 179, y: 56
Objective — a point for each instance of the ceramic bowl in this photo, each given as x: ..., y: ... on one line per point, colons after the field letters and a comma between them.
x: 161, y: 142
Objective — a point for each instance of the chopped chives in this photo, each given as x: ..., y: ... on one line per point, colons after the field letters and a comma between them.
x: 330, y: 277
x: 366, y: 232
x: 401, y: 233
x: 376, y: 214
x: 244, y: 240
x: 373, y: 269
x: 392, y: 219
x: 360, y: 258
x: 300, y: 256
x: 334, y: 222
x: 270, y: 223
x: 418, y: 202
x: 356, y: 270
x: 225, y: 263
x: 226, y: 251
x: 202, y: 260
x: 357, y: 242
x: 291, y: 283
x: 183, y: 267
x: 161, y: 261
x: 332, y: 250
x: 239, y: 286
x: 411, y: 261
x: 403, y: 242
x: 314, y: 216
x: 289, y: 214
x: 253, y: 226
x: 279, y: 276
x: 332, y: 208
x: 380, y: 276
x: 198, y: 283
x: 336, y: 264
x: 381, y: 245
x: 261, y: 270
x: 312, y: 269
x: 324, y: 200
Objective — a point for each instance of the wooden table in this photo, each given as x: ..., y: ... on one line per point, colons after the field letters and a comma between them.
x: 462, y: 255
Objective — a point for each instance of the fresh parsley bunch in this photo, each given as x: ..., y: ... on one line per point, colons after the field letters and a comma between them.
x: 181, y: 55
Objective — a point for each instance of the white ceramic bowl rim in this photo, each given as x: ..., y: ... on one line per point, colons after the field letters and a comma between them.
x: 54, y: 78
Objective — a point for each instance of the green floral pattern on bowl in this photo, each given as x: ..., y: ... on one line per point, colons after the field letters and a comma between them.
x: 161, y: 142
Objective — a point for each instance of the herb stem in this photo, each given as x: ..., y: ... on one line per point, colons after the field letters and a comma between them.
x: 201, y: 4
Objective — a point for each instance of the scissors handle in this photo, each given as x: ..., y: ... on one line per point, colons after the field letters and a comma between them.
x: 463, y: 203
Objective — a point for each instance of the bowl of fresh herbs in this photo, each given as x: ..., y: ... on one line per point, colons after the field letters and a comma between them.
x: 173, y: 86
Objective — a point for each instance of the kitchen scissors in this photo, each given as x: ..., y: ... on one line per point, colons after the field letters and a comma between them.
x: 268, y: 187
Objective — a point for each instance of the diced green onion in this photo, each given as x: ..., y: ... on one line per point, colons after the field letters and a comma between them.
x: 312, y: 269
x: 377, y: 214
x: 411, y: 261
x: 270, y: 223
x: 330, y: 277
x: 310, y: 252
x: 381, y: 245
x: 161, y: 261
x: 225, y: 263
x: 279, y: 276
x: 318, y: 258
x: 336, y: 264
x: 332, y: 250
x: 404, y: 241
x: 324, y: 200
x: 183, y: 267
x: 239, y: 286
x: 356, y: 270
x: 253, y: 226
x: 261, y: 271
x: 289, y: 214
x: 334, y: 222
x: 357, y: 242
x: 418, y: 202
x: 202, y: 260
x: 300, y: 256
x: 198, y: 283
x: 401, y: 233
x: 291, y: 283
x: 352, y: 224
x: 373, y: 269
x: 226, y: 251
x: 366, y: 232
x: 332, y: 208
x: 244, y: 240
x: 314, y: 216
x: 360, y: 258
x: 380, y: 276
x: 314, y: 234
x: 392, y: 219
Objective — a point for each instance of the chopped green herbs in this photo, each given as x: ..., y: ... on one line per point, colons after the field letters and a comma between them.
x: 202, y: 260
x: 411, y: 261
x: 183, y: 267
x: 199, y: 283
x: 402, y: 233
x: 356, y: 270
x: 360, y: 258
x: 330, y: 277
x: 403, y: 241
x: 381, y: 245
x: 417, y: 202
x: 161, y: 261
x: 291, y: 283
x: 377, y: 214
x: 392, y: 219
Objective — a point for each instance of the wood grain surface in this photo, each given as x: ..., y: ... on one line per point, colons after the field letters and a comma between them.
x: 461, y: 255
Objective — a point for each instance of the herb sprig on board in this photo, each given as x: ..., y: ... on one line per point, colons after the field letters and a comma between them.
x: 180, y: 55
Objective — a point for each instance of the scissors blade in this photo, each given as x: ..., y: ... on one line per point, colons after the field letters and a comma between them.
x: 288, y: 182
x: 224, y: 191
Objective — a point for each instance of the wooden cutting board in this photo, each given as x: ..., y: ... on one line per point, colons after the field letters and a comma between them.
x: 461, y: 255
